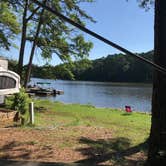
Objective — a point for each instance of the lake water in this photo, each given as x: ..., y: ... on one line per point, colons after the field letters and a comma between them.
x: 101, y: 94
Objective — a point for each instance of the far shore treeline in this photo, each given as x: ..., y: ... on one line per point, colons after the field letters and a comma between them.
x: 113, y: 68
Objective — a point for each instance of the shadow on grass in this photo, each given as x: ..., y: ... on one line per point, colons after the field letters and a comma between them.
x: 116, y: 150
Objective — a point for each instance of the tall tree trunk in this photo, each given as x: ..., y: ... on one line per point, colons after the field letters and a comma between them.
x: 23, y: 40
x: 29, y: 68
x: 157, y: 141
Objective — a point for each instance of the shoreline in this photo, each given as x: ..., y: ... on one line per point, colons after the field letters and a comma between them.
x: 112, y: 108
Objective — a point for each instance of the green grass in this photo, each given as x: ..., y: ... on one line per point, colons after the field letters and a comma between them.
x: 111, y: 135
x: 134, y: 126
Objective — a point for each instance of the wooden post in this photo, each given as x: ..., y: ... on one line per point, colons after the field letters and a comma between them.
x: 31, y: 112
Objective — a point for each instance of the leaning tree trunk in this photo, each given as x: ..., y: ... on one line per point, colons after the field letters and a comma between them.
x: 157, y: 141
x: 29, y: 67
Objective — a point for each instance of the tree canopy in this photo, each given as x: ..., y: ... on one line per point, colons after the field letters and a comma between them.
x: 113, y: 68
x: 50, y: 34
x: 9, y: 25
x: 56, y: 36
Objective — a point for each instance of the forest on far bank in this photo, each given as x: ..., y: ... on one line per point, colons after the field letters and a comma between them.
x: 113, y: 68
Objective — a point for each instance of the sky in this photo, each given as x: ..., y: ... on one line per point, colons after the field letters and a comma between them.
x: 122, y: 22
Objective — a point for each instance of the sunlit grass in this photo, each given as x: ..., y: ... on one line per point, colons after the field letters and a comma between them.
x: 134, y: 126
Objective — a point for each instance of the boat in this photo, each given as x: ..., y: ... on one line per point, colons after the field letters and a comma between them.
x: 41, y: 91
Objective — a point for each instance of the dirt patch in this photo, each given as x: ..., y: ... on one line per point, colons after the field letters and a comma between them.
x: 66, y: 144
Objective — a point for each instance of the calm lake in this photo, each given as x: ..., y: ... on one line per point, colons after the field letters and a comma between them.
x: 101, y: 94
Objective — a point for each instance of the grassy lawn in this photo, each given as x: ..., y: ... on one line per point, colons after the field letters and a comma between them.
x: 73, y: 133
x: 134, y: 126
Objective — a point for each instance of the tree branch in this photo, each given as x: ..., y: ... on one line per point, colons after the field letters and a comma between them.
x: 33, y: 13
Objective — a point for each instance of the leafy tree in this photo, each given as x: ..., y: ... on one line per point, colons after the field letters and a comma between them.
x: 28, y: 71
x: 27, y: 10
x: 28, y: 14
x: 80, y: 67
x: 12, y: 64
x: 9, y: 26
x: 49, y: 33
x: 114, y: 68
x: 147, y: 4
x: 58, y: 37
x: 46, y: 72
x: 63, y: 72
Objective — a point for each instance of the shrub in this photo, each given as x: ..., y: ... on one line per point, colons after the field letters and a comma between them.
x: 19, y: 102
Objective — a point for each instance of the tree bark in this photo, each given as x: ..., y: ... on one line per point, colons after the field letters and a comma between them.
x: 29, y: 68
x: 23, y: 40
x: 157, y: 140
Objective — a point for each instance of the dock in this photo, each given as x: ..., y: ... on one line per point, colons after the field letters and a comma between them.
x: 40, y: 91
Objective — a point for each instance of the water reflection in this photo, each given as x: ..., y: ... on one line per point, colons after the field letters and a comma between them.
x: 100, y: 94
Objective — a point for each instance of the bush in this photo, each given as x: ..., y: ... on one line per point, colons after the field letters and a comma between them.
x: 19, y: 102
